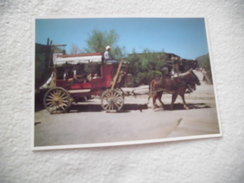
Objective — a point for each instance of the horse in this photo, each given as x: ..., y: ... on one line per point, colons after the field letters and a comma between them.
x: 175, y: 86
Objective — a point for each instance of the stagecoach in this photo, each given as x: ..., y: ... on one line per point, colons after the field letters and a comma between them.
x: 65, y: 90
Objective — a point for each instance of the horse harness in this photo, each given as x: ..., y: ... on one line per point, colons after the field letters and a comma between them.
x: 183, y: 82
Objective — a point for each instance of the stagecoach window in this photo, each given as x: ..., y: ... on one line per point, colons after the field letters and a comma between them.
x: 60, y: 72
x: 95, y: 68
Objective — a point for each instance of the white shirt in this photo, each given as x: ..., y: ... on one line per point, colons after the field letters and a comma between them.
x: 107, y: 55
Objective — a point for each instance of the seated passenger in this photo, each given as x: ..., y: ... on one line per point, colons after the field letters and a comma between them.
x: 95, y: 76
x: 90, y: 77
x: 67, y: 74
x: 79, y: 75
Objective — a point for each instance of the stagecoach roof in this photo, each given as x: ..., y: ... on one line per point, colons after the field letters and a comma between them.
x: 78, y: 58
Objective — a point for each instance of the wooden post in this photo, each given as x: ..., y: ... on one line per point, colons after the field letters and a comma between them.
x: 117, y: 74
x: 90, y: 68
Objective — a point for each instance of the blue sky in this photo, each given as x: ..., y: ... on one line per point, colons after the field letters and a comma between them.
x: 185, y: 37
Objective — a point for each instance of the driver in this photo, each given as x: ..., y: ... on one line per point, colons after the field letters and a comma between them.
x: 107, y: 55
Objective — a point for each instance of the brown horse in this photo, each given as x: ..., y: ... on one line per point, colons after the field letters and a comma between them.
x: 175, y: 86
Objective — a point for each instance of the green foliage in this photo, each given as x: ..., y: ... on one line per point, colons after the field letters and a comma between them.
x: 207, y: 67
x: 146, y: 66
x: 143, y: 66
x: 98, y: 41
x: 204, y: 62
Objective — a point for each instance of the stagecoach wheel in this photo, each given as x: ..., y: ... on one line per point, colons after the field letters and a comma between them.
x: 121, y: 92
x: 112, y: 100
x: 57, y: 100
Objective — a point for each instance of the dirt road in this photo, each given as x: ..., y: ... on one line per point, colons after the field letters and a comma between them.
x: 86, y: 123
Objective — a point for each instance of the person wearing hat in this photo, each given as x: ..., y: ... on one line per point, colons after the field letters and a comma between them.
x: 107, y: 55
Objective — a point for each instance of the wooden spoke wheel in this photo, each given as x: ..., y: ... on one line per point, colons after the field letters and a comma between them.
x: 112, y: 100
x: 57, y: 100
x: 121, y: 92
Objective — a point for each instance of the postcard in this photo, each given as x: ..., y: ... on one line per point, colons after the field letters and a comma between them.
x: 125, y: 80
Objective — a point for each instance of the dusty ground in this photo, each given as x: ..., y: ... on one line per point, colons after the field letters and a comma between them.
x: 86, y: 123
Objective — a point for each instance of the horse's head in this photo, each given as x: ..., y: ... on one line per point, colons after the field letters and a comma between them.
x: 194, y: 78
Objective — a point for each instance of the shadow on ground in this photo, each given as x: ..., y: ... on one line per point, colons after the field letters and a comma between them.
x: 98, y: 108
x: 126, y: 107
x: 94, y: 107
x: 179, y: 106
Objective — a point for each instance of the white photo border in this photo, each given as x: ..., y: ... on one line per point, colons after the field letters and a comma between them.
x: 124, y: 143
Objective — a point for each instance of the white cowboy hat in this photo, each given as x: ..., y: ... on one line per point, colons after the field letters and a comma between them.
x: 108, y: 47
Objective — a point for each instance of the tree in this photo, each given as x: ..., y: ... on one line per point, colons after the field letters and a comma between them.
x: 143, y: 66
x: 75, y: 49
x: 204, y: 62
x: 207, y: 67
x: 146, y: 66
x: 98, y: 41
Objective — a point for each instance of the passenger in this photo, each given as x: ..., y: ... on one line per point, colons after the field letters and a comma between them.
x: 79, y: 74
x: 67, y: 74
x: 90, y: 77
x: 95, y: 76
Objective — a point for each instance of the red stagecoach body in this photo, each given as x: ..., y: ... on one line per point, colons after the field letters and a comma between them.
x: 108, y: 83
